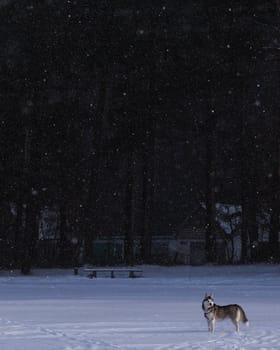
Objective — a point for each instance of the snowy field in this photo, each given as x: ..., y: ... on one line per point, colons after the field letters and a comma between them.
x: 55, y: 310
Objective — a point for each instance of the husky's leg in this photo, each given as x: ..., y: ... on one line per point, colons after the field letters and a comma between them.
x: 211, y: 326
x: 236, y: 323
x: 236, y: 320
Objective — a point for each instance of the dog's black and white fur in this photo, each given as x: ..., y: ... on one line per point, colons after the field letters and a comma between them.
x: 213, y: 312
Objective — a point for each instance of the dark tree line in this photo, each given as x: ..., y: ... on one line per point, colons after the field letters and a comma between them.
x: 125, y: 116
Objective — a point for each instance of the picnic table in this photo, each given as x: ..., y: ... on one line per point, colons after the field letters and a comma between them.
x: 131, y: 272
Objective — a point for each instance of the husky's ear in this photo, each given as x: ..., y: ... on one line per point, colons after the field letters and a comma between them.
x: 205, y: 295
x: 212, y: 295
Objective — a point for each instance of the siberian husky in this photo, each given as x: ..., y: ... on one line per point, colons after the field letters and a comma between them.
x: 213, y: 312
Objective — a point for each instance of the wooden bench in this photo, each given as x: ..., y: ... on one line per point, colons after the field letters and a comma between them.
x: 132, y: 273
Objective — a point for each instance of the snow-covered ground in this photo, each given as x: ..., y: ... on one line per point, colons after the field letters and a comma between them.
x: 55, y: 310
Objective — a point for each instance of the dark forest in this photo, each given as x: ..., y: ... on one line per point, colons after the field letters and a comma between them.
x: 132, y: 117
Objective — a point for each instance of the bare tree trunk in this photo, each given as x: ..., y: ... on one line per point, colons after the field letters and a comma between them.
x: 30, y: 236
x: 90, y: 218
x: 29, y: 224
x: 129, y: 236
x: 209, y: 201
x: 243, y: 189
x: 249, y: 229
x: 147, y: 210
x: 275, y: 213
x: 62, y: 234
x: 149, y: 135
x: 19, y: 230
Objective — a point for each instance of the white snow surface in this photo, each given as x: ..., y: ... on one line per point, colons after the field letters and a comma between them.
x: 56, y: 310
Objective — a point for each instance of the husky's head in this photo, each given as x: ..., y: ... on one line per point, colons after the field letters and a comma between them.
x: 207, y: 302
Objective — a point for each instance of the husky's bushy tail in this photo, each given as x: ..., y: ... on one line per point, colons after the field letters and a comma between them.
x: 243, y: 317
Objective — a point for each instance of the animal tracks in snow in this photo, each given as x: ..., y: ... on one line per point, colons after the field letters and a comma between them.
x: 255, y: 339
x: 136, y: 336
x: 17, y: 332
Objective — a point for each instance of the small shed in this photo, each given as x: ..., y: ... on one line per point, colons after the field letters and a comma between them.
x: 191, y: 239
